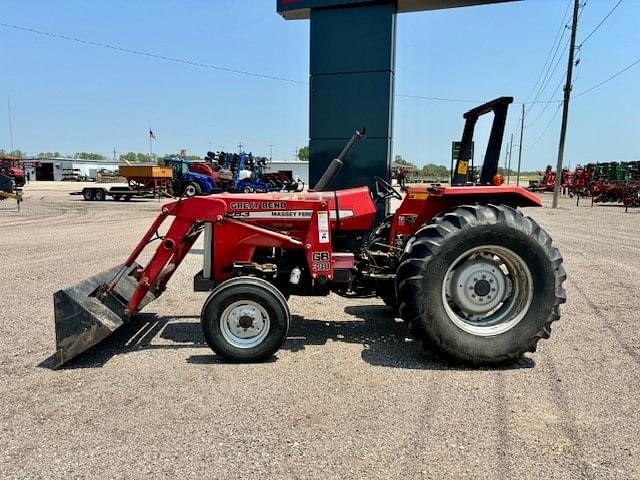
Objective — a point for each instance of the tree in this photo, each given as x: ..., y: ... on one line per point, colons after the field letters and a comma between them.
x: 14, y: 153
x: 49, y: 155
x: 303, y: 154
x: 133, y: 157
x: 89, y: 156
x: 432, y: 170
x: 398, y: 160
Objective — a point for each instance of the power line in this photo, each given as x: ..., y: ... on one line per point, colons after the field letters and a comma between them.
x: 628, y: 67
x: 550, y: 71
x: 548, y: 77
x: 440, y: 99
x: 214, y: 67
x: 461, y: 100
x: 600, y: 24
x: 545, y: 128
x: 548, y: 103
x: 289, y: 80
x: 557, y: 39
x: 152, y: 55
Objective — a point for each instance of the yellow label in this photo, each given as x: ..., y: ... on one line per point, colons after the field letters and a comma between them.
x: 418, y: 196
x: 462, y: 167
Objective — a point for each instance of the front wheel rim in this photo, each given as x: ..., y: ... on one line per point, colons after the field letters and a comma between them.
x: 487, y: 290
x: 244, y: 324
x: 190, y: 191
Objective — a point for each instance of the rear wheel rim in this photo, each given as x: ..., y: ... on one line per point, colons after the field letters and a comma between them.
x: 190, y: 191
x: 244, y: 324
x: 487, y: 290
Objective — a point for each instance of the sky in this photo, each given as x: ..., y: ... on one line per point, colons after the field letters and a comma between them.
x: 71, y: 97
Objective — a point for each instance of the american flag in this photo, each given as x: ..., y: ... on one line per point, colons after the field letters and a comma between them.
x: 151, y: 134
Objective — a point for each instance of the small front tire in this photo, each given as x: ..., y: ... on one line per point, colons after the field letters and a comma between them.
x: 245, y: 319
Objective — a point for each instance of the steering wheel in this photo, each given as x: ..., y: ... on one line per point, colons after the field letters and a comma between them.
x: 385, y: 190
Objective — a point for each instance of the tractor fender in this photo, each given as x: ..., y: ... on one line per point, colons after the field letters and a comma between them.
x: 514, y: 196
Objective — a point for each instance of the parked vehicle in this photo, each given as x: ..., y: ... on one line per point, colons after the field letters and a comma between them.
x: 470, y: 274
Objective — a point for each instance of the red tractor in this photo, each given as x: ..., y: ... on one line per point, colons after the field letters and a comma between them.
x: 473, y: 278
x: 11, y: 168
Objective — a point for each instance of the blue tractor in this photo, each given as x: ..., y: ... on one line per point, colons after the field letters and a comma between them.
x: 191, y: 178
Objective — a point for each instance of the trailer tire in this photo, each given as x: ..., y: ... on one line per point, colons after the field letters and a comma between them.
x: 441, y: 278
x: 100, y: 195
x: 87, y: 194
x: 245, y: 319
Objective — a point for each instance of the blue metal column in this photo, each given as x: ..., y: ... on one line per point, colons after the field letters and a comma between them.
x: 352, y: 75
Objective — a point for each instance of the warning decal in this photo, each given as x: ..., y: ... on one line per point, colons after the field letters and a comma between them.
x: 323, y: 227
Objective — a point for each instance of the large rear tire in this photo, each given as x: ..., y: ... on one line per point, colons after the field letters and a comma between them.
x: 245, y: 319
x: 481, y: 285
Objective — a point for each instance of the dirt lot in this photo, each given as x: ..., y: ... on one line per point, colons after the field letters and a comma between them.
x: 349, y: 396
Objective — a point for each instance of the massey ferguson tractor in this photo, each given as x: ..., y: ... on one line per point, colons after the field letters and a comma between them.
x: 473, y: 278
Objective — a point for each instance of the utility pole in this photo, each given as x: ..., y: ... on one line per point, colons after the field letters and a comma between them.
x: 509, y: 164
x: 10, y: 125
x: 209, y: 146
x: 240, y: 145
x: 520, y: 147
x: 565, y: 106
x: 271, y: 152
x: 506, y: 156
x: 114, y: 154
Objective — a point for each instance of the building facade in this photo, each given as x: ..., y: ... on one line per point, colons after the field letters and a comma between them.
x: 56, y: 169
x: 296, y: 170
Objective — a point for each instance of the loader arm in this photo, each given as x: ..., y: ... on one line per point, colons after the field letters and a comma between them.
x: 92, y: 310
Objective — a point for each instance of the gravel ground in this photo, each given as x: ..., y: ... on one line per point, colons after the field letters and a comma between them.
x: 349, y: 395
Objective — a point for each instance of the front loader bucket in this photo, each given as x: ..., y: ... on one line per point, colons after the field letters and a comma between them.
x: 85, y: 316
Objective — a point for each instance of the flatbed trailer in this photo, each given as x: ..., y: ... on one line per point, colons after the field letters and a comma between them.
x: 143, y: 181
x: 125, y: 193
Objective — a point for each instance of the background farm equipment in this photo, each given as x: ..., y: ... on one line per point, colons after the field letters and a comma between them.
x: 243, y: 173
x: 546, y: 184
x: 142, y: 181
x: 471, y: 276
x: 13, y: 168
x: 191, y: 178
x: 610, y: 182
x: 245, y: 177
x: 8, y: 188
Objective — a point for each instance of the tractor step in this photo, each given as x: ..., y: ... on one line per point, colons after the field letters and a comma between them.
x: 85, y: 314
